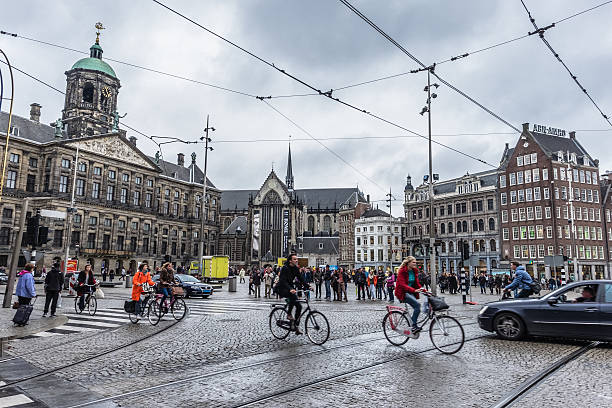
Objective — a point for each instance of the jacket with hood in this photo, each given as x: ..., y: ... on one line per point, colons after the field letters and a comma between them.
x: 522, y: 280
x: 25, y: 285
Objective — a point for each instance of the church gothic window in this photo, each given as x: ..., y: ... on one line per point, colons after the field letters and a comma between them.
x: 327, y: 223
x: 311, y: 223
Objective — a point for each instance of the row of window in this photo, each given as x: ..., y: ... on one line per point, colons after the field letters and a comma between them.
x: 460, y: 208
x: 535, y: 194
x: 379, y: 228
x: 560, y: 173
x: 380, y: 240
x: 539, y: 251
x: 537, y: 232
x: 462, y: 226
x: 526, y: 160
x: 378, y: 256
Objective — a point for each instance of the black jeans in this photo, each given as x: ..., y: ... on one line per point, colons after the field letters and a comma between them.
x: 86, y: 292
x: 361, y: 291
x: 293, y: 302
x: 51, y: 297
x: 524, y: 293
x: 318, y: 289
x: 24, y: 300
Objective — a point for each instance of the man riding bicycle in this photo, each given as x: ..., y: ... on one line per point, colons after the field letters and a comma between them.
x: 522, y: 281
x: 407, y: 288
x: 286, y: 288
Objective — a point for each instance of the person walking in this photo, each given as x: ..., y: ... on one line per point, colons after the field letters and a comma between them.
x: 551, y: 284
x: 104, y: 273
x: 327, y: 276
x: 242, y: 272
x: 268, y: 279
x: 380, y: 284
x: 257, y: 284
x: 372, y: 285
x: 391, y: 286
x: 341, y: 279
x: 318, y: 280
x: 498, y: 284
x: 111, y: 275
x: 53, y: 286
x: 482, y: 281
x: 360, y: 282
x: 25, y: 290
x: 452, y: 283
x: 123, y: 273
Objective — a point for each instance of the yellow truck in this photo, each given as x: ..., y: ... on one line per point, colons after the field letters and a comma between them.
x: 216, y: 268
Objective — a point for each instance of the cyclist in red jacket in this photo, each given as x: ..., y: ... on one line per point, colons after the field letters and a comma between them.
x: 407, y: 288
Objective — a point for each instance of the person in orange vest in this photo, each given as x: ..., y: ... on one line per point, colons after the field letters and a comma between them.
x: 142, y: 276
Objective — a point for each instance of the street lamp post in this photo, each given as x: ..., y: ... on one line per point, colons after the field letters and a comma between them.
x: 206, y: 140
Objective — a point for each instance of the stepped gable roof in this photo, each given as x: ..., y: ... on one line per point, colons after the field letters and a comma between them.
x: 236, y: 199
x: 375, y: 212
x: 240, y: 221
x: 182, y: 173
x: 28, y: 129
x: 310, y: 245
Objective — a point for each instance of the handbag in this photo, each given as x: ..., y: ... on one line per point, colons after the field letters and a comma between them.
x: 437, y: 303
x: 177, y: 291
x: 99, y: 293
x: 129, y: 306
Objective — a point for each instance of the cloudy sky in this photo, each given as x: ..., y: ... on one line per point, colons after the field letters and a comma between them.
x: 326, y: 45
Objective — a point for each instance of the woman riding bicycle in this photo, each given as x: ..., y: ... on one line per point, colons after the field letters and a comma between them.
x: 166, y: 281
x: 140, y: 278
x: 286, y: 288
x: 407, y: 288
x: 85, y: 285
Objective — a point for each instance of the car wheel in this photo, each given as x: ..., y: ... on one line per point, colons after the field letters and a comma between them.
x: 205, y: 296
x: 509, y: 326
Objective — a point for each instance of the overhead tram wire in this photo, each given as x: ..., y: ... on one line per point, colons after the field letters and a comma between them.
x: 327, y: 94
x: 451, y: 59
x: 540, y: 32
x: 64, y: 93
x: 129, y: 64
x: 10, y: 117
x: 415, y: 59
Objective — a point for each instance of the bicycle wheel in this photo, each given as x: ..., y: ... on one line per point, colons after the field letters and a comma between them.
x: 395, y: 324
x: 317, y: 327
x: 92, y: 305
x: 446, y: 334
x: 279, y: 323
x: 154, y: 312
x: 134, y: 318
x: 179, y: 309
x: 77, y: 309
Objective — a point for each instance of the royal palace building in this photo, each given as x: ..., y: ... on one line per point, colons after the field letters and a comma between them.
x: 128, y: 206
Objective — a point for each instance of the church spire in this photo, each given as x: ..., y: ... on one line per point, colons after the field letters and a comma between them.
x: 289, y: 178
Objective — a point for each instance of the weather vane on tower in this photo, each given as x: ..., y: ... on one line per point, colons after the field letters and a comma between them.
x: 99, y: 27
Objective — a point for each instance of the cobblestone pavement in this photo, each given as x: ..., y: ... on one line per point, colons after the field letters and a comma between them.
x: 231, y: 358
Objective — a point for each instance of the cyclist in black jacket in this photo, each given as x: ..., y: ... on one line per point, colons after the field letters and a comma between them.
x: 286, y: 288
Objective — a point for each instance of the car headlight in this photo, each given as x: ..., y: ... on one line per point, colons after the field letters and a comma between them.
x: 484, y: 309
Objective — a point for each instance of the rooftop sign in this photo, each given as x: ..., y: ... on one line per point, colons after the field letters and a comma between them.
x: 547, y: 130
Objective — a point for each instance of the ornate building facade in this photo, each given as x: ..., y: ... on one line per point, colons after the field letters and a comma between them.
x: 129, y: 207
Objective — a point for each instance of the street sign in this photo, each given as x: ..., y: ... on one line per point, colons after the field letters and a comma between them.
x: 27, y: 254
x: 53, y: 214
x: 72, y: 266
x: 474, y: 260
x: 553, y: 260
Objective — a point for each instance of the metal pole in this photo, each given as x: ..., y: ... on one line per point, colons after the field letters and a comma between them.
x: 573, y: 229
x: 390, y: 233
x: 12, y: 273
x: 70, y: 212
x: 203, y: 203
x: 432, y: 254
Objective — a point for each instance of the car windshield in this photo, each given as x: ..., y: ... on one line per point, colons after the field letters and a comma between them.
x: 188, y: 278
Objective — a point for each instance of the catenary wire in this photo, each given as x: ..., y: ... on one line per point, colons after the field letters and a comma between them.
x: 328, y: 94
x: 558, y: 57
x: 129, y: 64
x: 415, y: 59
x: 8, y: 126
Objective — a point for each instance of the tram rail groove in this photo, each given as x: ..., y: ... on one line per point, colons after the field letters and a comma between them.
x: 259, y: 363
x: 525, y: 388
x: 112, y: 350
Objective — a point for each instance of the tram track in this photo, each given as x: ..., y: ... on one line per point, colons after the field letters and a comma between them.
x: 93, y: 357
x: 531, y: 383
x: 263, y: 363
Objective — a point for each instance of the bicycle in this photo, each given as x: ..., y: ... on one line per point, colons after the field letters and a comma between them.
x: 316, y: 325
x: 91, y: 303
x: 155, y: 310
x: 144, y: 305
x: 445, y: 332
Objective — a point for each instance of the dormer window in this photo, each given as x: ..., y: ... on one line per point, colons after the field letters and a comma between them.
x: 574, y: 159
x: 560, y: 156
x: 14, y: 131
x: 586, y: 161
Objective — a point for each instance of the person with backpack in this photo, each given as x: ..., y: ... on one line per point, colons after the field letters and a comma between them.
x: 54, y: 281
x: 522, y: 281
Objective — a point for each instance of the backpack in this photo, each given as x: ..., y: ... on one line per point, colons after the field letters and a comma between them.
x: 535, y: 287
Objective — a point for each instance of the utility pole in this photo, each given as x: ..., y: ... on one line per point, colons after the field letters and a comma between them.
x: 432, y: 239
x: 569, y: 176
x: 69, y: 213
x: 203, y: 214
x: 390, y: 230
x: 12, y: 273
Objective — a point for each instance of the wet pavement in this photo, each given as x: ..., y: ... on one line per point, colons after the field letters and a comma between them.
x: 223, y: 355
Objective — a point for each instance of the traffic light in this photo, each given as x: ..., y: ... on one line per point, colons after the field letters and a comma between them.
x: 30, y: 235
x: 43, y: 236
x: 465, y: 250
x: 565, y: 258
